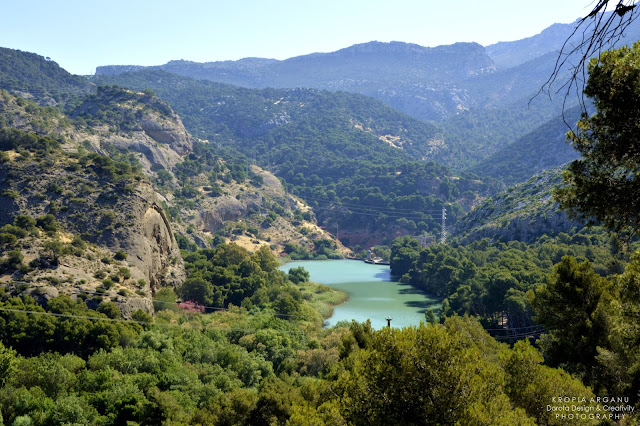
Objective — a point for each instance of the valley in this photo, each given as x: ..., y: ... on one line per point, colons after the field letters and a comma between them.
x: 162, y: 229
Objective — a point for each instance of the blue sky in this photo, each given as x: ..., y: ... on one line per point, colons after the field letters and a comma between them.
x: 81, y: 35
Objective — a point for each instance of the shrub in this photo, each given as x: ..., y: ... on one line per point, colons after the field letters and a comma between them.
x: 124, y: 273
x: 190, y: 306
x: 25, y: 222
x: 298, y: 275
x: 47, y: 223
x: 55, y: 249
x: 110, y: 309
x: 141, y: 316
x: 10, y: 193
x: 108, y: 217
x: 78, y: 242
x: 14, y: 257
x: 8, y: 239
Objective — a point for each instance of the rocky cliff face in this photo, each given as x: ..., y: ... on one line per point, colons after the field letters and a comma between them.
x: 106, y: 220
x: 115, y: 217
x: 246, y: 215
x: 137, y: 122
x: 148, y: 239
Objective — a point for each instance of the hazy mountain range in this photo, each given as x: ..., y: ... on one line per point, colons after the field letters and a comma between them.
x: 430, y: 83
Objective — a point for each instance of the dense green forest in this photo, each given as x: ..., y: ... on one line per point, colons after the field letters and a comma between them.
x: 240, y: 368
x: 245, y: 346
x: 542, y: 149
x: 582, y: 314
x: 490, y: 280
x: 43, y: 79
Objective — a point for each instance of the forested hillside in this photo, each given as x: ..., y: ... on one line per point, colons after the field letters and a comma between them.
x: 490, y: 279
x: 542, y: 149
x: 523, y: 212
x: 483, y: 99
x: 349, y: 156
x: 495, y: 111
x: 39, y: 78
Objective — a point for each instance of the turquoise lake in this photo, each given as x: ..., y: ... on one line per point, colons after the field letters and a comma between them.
x: 373, y: 294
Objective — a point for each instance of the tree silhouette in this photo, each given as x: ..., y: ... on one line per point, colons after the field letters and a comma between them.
x: 596, y: 32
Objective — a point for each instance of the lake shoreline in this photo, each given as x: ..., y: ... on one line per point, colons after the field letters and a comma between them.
x: 325, y: 307
x: 371, y: 293
x: 332, y: 306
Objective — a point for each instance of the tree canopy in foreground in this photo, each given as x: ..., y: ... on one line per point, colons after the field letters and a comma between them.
x: 604, y: 184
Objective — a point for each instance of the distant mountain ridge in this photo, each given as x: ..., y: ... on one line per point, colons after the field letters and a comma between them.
x: 513, y: 53
x: 428, y: 83
x: 430, y: 63
x: 417, y: 80
x: 550, y: 40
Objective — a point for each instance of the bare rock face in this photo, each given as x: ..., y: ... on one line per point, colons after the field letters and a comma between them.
x: 150, y: 127
x: 162, y: 140
x: 44, y: 294
x: 150, y: 244
x: 239, y: 204
x: 111, y: 211
x: 130, y: 305
x: 170, y: 132
x: 226, y: 209
x: 155, y: 155
x: 525, y: 228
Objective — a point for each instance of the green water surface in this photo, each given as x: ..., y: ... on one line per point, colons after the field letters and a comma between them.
x: 373, y: 294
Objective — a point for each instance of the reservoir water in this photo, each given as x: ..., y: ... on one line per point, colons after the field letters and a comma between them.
x: 373, y: 294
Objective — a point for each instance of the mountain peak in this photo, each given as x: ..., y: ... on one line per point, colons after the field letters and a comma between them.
x: 402, y: 48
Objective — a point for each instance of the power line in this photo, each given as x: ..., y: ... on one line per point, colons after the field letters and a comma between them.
x: 515, y: 328
x: 53, y: 314
x: 206, y: 307
x: 354, y: 205
x: 374, y: 214
x: 176, y: 304
x: 378, y: 209
x: 536, y: 331
x: 443, y: 236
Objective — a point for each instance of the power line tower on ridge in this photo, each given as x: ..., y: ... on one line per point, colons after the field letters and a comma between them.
x: 443, y: 235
